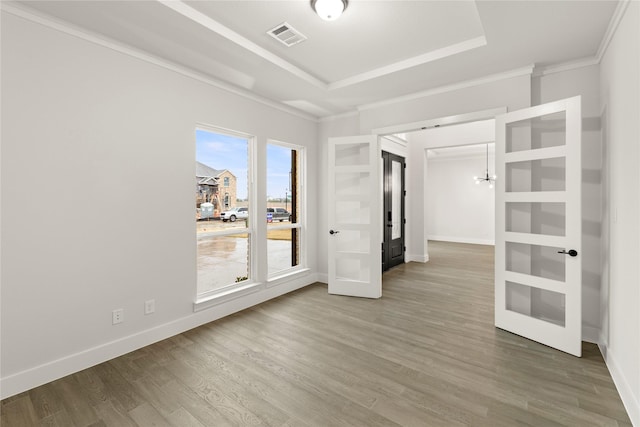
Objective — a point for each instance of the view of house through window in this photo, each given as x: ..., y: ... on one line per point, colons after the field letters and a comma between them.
x: 222, y: 210
x: 283, y: 207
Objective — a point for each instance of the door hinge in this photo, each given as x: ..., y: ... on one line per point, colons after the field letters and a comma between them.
x: 405, y: 220
x: 405, y: 192
x: 404, y: 248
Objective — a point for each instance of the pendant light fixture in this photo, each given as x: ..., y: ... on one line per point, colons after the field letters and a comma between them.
x: 329, y: 10
x: 486, y: 178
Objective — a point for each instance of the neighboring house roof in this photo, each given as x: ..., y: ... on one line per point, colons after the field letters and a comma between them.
x: 204, y: 171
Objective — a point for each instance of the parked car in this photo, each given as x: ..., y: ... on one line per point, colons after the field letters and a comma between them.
x: 278, y: 214
x: 234, y: 213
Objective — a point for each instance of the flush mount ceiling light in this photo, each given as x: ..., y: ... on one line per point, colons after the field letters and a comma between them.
x: 486, y: 178
x: 329, y: 10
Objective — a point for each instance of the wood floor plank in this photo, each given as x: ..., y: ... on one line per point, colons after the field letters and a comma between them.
x: 113, y: 414
x: 146, y: 415
x: 425, y: 354
x: 46, y: 401
x: 228, y: 381
x: 75, y: 402
x: 182, y: 418
x: 19, y: 412
x: 195, y: 405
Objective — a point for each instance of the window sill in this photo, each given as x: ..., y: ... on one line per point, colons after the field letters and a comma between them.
x: 226, y: 296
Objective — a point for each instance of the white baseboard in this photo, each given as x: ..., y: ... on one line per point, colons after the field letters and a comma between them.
x: 417, y: 257
x: 323, y: 278
x: 629, y: 399
x: 463, y: 240
x: 631, y: 402
x: 39, y: 375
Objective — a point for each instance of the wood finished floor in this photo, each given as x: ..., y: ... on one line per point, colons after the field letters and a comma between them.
x: 426, y: 354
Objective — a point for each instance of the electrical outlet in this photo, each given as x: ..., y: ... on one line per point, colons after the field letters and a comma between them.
x: 149, y: 306
x: 118, y: 316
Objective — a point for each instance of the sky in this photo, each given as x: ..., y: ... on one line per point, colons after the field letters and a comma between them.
x: 221, y: 152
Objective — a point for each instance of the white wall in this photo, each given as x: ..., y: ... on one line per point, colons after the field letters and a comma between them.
x: 98, y: 152
x: 620, y: 99
x: 458, y: 209
x: 511, y: 92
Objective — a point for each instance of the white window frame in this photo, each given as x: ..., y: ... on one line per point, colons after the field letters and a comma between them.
x: 234, y: 290
x: 301, y: 224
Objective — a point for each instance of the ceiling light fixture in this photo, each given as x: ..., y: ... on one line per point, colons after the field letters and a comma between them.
x: 486, y: 178
x: 329, y: 10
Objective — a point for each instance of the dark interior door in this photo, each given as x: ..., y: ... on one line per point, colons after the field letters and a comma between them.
x: 393, y: 201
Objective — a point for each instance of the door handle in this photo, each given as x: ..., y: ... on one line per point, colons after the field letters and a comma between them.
x: 332, y: 232
x: 570, y: 252
x: 389, y: 225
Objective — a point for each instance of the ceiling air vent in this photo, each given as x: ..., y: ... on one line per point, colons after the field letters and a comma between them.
x: 286, y: 34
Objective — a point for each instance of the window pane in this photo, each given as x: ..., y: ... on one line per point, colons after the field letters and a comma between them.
x: 280, y: 183
x: 283, y: 207
x: 222, y: 165
x: 396, y: 200
x: 222, y: 205
x: 282, y: 249
x: 222, y: 261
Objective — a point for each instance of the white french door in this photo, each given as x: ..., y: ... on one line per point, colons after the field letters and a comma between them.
x: 354, y: 217
x: 538, y: 271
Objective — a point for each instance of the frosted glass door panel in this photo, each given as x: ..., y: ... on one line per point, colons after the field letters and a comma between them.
x: 537, y: 303
x: 354, y: 184
x: 355, y: 154
x: 353, y: 267
x: 357, y: 241
x: 536, y: 175
x: 535, y: 260
x: 536, y: 218
x: 352, y: 212
x: 539, y: 132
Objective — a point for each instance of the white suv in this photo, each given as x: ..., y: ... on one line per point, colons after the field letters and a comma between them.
x: 235, y: 213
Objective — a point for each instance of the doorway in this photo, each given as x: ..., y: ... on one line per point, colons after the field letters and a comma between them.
x: 393, y: 187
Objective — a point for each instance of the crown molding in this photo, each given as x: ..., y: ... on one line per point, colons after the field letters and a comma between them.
x: 528, y: 70
x: 89, y: 36
x: 565, y: 66
x: 602, y: 48
x: 334, y: 117
x: 611, y: 29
